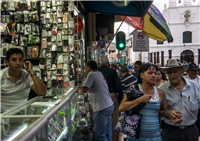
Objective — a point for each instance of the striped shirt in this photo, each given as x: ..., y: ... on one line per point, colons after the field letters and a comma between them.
x: 127, y: 81
x: 149, y: 127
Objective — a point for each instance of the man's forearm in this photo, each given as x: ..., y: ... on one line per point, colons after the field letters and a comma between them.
x: 82, y: 90
x: 39, y: 86
x: 163, y: 113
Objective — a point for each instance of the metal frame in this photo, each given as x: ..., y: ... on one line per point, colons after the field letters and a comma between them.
x: 36, y: 126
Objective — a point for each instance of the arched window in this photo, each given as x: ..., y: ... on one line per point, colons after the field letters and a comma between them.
x: 187, y: 37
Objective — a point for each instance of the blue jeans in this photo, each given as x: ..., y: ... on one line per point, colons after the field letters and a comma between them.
x: 102, y: 124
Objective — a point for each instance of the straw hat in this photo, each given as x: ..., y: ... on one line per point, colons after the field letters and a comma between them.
x: 174, y: 63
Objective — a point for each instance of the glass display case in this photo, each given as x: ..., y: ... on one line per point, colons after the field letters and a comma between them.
x: 61, y: 117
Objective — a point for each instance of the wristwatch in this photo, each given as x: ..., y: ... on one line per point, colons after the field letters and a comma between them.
x: 33, y: 74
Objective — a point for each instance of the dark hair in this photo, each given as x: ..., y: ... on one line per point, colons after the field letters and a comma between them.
x: 114, y: 66
x: 163, y: 75
x: 144, y: 68
x: 92, y: 64
x: 12, y: 51
x: 124, y: 69
x: 117, y: 63
x: 138, y: 63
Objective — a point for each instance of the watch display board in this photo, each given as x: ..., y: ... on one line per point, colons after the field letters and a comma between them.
x: 45, y: 31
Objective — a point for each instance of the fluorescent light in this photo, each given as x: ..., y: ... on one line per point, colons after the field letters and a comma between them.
x: 68, y: 91
x: 63, y: 133
x: 19, y: 132
x: 45, y: 110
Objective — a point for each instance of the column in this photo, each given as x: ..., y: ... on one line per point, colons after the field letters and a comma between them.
x: 170, y: 54
x: 154, y: 57
x: 151, y: 57
x: 158, y: 57
x: 162, y: 58
x: 198, y: 56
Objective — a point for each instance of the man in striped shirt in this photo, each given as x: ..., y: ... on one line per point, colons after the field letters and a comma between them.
x: 127, y: 79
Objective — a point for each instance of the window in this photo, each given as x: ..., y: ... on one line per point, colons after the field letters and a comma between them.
x: 187, y: 37
x: 159, y: 42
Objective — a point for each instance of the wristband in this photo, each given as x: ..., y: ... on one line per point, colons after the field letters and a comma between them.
x: 33, y: 74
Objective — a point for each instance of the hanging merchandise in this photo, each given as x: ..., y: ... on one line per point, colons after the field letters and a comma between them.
x: 35, y: 52
x: 20, y: 28
x: 23, y: 41
x: 27, y: 29
x: 12, y: 28
x: 44, y: 42
x: 15, y: 39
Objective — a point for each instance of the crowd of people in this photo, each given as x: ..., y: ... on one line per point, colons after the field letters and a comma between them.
x: 172, y: 99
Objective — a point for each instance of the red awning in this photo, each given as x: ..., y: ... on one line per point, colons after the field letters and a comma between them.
x: 133, y: 21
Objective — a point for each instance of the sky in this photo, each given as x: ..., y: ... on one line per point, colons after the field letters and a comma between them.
x: 160, y: 4
x: 128, y: 29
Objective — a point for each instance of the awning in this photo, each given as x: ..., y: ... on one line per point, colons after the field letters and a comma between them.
x: 153, y: 24
x: 134, y: 8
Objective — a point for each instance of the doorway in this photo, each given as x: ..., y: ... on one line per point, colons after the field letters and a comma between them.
x: 187, y: 55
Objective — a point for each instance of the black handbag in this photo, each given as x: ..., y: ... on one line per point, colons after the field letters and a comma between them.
x: 133, y: 93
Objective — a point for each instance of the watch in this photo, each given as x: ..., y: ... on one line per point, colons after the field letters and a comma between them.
x: 33, y: 74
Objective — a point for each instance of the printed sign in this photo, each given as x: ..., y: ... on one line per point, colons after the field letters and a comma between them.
x: 79, y: 24
x: 119, y: 55
x: 101, y: 43
x: 140, y: 42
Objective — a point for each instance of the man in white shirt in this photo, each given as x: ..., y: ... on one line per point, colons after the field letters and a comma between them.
x: 16, y: 81
x: 192, y: 73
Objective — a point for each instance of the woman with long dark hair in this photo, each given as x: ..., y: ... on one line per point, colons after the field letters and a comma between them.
x: 155, y: 104
x: 161, y: 78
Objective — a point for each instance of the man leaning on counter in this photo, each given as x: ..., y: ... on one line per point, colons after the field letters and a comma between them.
x: 16, y: 81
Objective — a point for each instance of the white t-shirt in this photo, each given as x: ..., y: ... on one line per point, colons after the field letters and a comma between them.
x: 99, y: 96
x: 197, y: 79
x: 13, y: 94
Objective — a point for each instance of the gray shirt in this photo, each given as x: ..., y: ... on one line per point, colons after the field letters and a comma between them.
x: 99, y: 96
x: 188, y: 102
x: 13, y: 94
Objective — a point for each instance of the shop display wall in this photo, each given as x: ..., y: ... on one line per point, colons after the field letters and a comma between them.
x: 57, y: 54
x: 45, y: 32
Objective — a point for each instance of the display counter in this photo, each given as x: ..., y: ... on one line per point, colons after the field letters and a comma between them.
x: 53, y: 117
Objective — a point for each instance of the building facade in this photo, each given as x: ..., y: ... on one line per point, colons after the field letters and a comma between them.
x: 183, y: 19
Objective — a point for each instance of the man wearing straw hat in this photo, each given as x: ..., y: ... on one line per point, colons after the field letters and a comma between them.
x: 181, y: 95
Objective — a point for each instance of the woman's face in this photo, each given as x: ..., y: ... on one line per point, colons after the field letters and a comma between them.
x: 149, y: 76
x: 137, y: 68
x: 159, y: 75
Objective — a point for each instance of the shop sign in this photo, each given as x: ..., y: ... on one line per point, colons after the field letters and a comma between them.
x: 140, y: 42
x: 79, y: 24
x: 101, y: 43
x: 119, y: 55
x: 120, y: 3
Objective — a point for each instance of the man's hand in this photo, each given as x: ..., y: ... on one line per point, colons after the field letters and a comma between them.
x: 82, y: 90
x: 174, y: 116
x: 29, y: 67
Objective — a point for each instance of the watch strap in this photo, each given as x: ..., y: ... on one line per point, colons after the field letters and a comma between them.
x: 33, y: 74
